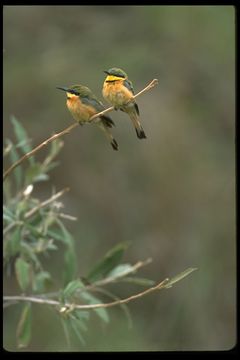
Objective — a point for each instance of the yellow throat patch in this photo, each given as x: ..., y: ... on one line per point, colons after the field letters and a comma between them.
x: 114, y: 78
x: 72, y: 96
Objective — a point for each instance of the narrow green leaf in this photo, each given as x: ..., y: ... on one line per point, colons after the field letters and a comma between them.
x: 22, y: 137
x: 21, y: 144
x: 33, y: 230
x: 41, y: 177
x: 70, y: 265
x: 56, y: 146
x: 179, y: 277
x: 18, y: 174
x: 28, y: 252
x: 67, y: 237
x: 72, y: 287
x: 139, y: 281
x: 8, y: 213
x: 7, y: 218
x: 48, y: 221
x: 7, y: 191
x: 56, y: 234
x: 76, y: 329
x: 15, y: 241
x: 103, y: 315
x: 101, y: 312
x: 12, y: 244
x: 48, y: 163
x: 81, y: 315
x: 70, y: 260
x: 21, y: 208
x: 24, y: 326
x: 35, y: 173
x: 108, y: 263
x: 20, y: 132
x: 40, y: 281
x: 22, y: 269
x: 51, y: 166
x: 65, y: 326
x: 120, y: 270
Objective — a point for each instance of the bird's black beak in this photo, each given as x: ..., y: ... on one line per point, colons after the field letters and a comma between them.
x: 106, y: 72
x: 62, y: 88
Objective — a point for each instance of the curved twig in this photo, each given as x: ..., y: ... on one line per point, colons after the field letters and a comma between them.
x: 67, y: 130
x: 64, y: 307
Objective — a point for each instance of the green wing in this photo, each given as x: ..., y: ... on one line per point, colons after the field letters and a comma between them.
x: 94, y: 102
x: 128, y: 85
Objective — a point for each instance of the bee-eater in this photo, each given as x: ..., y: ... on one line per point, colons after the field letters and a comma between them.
x: 118, y: 90
x: 83, y: 104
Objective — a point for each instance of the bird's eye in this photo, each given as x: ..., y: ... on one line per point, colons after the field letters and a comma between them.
x: 74, y: 92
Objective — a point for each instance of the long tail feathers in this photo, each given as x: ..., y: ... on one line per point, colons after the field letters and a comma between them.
x: 107, y: 121
x: 136, y: 123
x: 136, y: 108
x: 105, y: 127
x: 114, y: 144
x: 140, y: 133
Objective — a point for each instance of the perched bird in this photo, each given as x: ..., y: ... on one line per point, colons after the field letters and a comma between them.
x: 83, y: 104
x: 118, y: 90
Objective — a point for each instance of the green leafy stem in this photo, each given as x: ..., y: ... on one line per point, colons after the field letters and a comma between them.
x: 77, y: 284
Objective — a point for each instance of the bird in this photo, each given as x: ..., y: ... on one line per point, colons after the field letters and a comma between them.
x: 83, y: 104
x: 118, y: 91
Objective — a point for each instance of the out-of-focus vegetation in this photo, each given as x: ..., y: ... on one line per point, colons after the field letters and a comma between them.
x: 172, y: 195
x: 33, y: 229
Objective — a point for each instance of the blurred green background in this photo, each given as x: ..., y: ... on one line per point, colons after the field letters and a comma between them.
x: 172, y: 195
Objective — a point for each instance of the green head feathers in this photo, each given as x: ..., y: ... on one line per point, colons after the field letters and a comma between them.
x: 116, y: 72
x: 78, y: 90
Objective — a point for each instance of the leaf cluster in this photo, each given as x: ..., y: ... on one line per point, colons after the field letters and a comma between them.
x: 33, y: 229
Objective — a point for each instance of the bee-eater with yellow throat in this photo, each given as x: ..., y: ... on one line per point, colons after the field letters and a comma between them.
x: 118, y: 91
x: 83, y: 104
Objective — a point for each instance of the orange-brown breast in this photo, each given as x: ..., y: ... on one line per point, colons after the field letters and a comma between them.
x: 116, y: 93
x: 80, y: 111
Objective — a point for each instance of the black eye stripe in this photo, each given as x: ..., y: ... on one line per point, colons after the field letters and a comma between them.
x: 73, y: 92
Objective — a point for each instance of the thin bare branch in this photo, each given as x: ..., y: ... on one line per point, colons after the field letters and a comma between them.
x: 165, y: 284
x: 153, y: 83
x: 67, y: 131
x: 36, y: 208
x: 38, y: 300
x: 68, y: 217
x: 45, y: 203
x: 40, y: 146
x: 33, y: 299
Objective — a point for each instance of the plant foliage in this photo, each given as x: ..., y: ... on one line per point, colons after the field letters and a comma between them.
x: 34, y: 230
